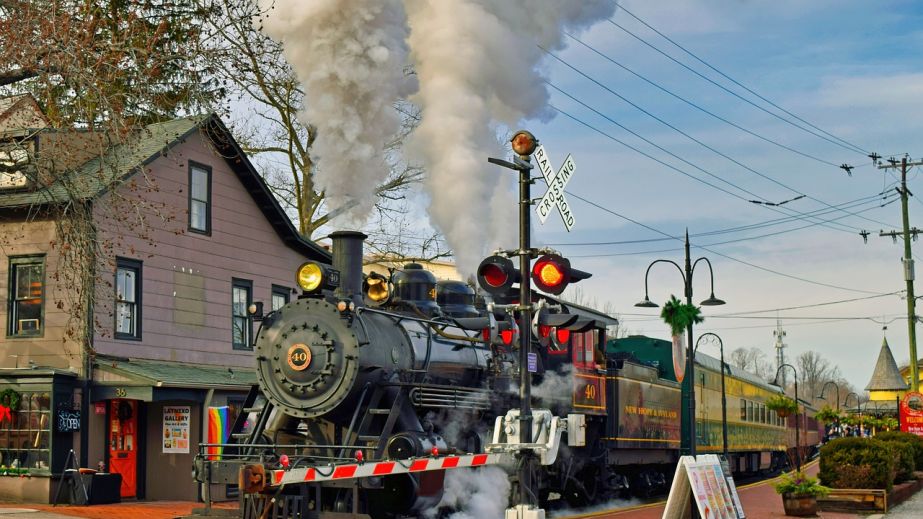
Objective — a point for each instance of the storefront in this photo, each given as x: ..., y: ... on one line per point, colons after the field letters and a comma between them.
x: 148, y: 418
x: 40, y: 422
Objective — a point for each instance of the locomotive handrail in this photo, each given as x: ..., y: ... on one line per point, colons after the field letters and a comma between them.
x: 352, y: 421
x: 432, y: 322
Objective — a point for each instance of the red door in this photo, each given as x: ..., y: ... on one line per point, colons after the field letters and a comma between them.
x: 123, y: 443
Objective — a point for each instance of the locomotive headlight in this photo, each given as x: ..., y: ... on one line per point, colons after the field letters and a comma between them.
x: 310, y: 276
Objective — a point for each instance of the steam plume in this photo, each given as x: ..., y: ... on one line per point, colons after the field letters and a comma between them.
x: 478, y: 67
x: 475, y: 493
x: 349, y: 56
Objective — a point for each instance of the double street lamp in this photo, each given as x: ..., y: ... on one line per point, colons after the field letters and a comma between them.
x: 797, y: 412
x: 711, y: 337
x: 688, y: 437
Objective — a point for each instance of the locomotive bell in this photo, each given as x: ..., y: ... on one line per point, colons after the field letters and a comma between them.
x: 376, y: 288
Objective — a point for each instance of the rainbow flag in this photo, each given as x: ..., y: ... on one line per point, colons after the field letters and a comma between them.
x: 217, y: 430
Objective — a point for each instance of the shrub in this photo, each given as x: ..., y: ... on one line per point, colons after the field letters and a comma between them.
x: 857, y: 463
x: 903, y: 460
x: 912, y: 439
x: 800, y: 484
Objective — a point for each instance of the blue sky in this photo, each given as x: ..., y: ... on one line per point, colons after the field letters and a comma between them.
x: 852, y: 68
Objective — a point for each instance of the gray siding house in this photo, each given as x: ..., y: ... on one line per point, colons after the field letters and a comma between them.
x: 188, y: 235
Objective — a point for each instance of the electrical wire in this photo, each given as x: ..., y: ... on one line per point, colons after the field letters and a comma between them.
x: 700, y: 108
x: 676, y: 129
x: 732, y: 80
x: 847, y: 146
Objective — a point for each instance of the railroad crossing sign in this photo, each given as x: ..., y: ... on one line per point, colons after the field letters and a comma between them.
x: 554, y: 197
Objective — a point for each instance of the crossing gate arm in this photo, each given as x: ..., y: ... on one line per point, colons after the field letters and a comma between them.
x: 354, y: 470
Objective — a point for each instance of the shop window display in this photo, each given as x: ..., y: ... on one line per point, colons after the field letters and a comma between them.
x: 25, y: 433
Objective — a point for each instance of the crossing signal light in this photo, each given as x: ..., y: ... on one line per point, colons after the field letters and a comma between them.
x: 552, y: 273
x: 496, y: 275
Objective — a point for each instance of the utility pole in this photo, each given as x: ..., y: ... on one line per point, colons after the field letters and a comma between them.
x: 907, y: 233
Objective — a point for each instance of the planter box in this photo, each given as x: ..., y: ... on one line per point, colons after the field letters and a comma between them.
x: 868, y: 500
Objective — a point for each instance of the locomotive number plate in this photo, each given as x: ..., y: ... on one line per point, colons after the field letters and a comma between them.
x: 299, y: 357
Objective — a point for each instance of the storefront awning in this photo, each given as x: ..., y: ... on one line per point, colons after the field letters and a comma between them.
x: 150, y: 380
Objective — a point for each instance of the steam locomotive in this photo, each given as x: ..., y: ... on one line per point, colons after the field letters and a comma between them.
x: 366, y: 368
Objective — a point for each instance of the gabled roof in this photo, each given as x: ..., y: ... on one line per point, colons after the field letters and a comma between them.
x: 20, y: 109
x: 886, y: 376
x: 120, y: 162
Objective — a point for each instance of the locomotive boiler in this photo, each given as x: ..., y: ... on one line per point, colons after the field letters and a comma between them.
x: 373, y: 367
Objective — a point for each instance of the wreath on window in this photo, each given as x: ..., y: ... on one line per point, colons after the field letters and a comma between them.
x: 10, y: 398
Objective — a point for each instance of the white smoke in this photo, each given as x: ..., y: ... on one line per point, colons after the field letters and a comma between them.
x: 475, y: 493
x: 349, y: 56
x: 556, y: 385
x: 479, y: 66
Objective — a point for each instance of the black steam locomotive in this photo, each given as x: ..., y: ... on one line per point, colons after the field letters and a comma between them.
x: 367, y: 368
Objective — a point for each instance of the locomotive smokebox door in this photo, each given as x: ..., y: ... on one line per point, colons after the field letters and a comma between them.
x: 307, y: 360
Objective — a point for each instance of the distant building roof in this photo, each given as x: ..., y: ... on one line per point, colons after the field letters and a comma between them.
x: 886, y: 376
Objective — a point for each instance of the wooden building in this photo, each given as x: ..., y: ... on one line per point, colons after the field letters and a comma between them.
x: 186, y: 235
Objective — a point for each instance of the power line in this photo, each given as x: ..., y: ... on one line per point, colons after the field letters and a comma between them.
x: 768, y: 223
x: 848, y: 229
x: 752, y: 265
x: 702, y: 109
x: 847, y: 146
x: 678, y: 130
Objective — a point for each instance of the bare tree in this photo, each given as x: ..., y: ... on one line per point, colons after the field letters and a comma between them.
x: 253, y: 67
x: 813, y: 372
x: 753, y: 360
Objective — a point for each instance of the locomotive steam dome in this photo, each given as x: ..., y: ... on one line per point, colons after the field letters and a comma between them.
x: 307, y: 359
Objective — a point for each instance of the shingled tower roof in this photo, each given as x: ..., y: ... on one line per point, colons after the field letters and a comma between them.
x: 886, y: 376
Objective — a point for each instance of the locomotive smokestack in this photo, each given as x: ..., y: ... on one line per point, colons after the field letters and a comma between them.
x: 347, y: 258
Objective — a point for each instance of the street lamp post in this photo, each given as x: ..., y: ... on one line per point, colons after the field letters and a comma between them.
x: 688, y: 439
x: 824, y: 390
x: 858, y: 408
x: 797, y: 413
x: 724, y: 405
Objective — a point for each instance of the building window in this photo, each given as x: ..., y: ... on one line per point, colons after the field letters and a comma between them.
x: 200, y: 198
x: 241, y: 297
x: 279, y: 297
x: 26, y: 437
x: 27, y: 296
x: 127, y: 299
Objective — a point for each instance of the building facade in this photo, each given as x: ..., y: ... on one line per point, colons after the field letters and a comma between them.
x: 187, y: 235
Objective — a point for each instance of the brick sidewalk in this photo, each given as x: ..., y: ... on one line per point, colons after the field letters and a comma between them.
x: 759, y: 501
x: 126, y: 510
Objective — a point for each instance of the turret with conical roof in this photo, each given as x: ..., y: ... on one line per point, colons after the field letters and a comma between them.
x: 886, y: 379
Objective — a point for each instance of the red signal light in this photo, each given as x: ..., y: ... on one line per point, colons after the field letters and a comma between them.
x: 507, y: 336
x: 552, y: 273
x: 549, y: 273
x: 544, y: 331
x: 485, y: 334
x: 562, y: 335
x: 497, y: 274
x: 494, y: 275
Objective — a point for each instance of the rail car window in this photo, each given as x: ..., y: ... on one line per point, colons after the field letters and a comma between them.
x: 583, y: 345
x: 749, y: 411
x: 743, y: 409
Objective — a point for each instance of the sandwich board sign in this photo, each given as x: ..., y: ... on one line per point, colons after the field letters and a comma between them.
x: 702, y: 480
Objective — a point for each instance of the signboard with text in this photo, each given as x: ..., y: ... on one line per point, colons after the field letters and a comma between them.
x: 703, y: 480
x: 176, y: 429
x: 912, y: 413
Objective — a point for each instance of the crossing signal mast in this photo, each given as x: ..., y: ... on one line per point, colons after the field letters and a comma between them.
x: 551, y: 274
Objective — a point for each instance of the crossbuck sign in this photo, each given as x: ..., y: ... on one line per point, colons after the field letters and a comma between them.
x: 554, y: 197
